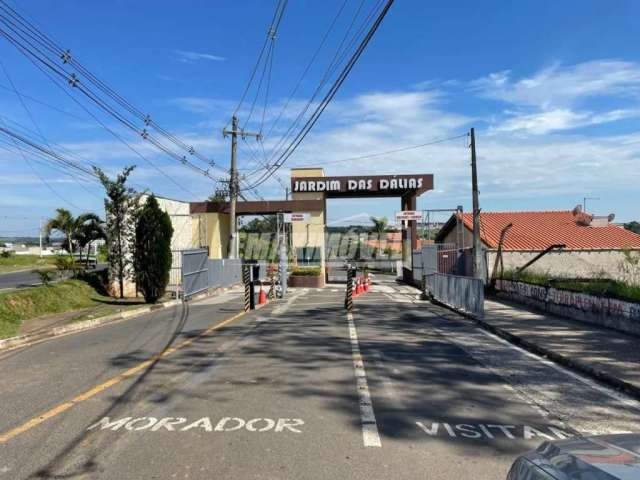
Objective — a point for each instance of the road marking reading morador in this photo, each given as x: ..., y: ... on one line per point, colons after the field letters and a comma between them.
x: 203, y: 424
x: 370, y: 435
x: 35, y: 421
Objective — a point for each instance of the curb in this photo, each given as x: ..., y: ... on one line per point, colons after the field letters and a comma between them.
x: 29, y: 339
x: 586, y: 369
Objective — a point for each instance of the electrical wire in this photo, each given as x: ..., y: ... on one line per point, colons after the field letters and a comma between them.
x: 327, y: 98
x: 275, y: 22
x: 31, y: 42
x: 381, y: 154
x: 330, y: 69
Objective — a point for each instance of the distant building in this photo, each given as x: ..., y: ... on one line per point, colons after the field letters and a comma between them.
x: 593, y: 245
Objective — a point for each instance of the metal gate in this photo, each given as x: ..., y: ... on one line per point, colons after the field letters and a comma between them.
x: 195, y: 272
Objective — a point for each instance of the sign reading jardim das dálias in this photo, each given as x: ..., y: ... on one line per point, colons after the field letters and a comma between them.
x: 374, y: 183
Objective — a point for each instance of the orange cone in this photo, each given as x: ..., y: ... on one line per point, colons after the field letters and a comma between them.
x: 262, y: 296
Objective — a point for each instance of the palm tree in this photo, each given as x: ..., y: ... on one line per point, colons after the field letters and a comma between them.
x: 88, y: 232
x: 380, y: 227
x: 65, y: 223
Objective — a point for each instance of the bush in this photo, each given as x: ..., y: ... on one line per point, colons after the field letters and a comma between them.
x: 45, y: 276
x: 67, y: 264
x: 152, y: 253
x: 306, y: 271
x: 5, y: 254
x: 603, y: 287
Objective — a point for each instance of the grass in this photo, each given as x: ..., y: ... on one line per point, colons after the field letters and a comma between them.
x: 602, y: 287
x: 24, y: 305
x: 14, y: 263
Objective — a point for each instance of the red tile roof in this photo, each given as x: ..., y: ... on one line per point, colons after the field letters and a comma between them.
x: 539, y: 230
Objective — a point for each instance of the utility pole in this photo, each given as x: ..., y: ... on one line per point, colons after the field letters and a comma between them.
x: 477, y: 247
x: 234, y: 184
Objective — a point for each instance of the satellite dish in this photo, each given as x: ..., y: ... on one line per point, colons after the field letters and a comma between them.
x: 610, y: 217
x: 577, y: 210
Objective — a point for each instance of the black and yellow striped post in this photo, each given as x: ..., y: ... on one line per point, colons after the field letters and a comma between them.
x: 348, y: 300
x: 246, y: 280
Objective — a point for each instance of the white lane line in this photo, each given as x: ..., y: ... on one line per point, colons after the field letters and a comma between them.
x: 370, y: 435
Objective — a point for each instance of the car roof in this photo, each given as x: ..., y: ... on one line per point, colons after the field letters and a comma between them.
x: 610, y: 457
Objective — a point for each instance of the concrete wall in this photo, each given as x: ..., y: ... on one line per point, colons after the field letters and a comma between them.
x: 571, y: 263
x: 180, y: 220
x: 608, y: 312
x: 312, y: 232
x: 212, y: 230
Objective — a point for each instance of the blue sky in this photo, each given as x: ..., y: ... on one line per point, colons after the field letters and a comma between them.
x: 553, y: 89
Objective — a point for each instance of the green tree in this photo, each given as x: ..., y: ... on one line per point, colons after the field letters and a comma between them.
x: 88, y: 233
x: 633, y: 226
x: 152, y: 253
x: 70, y: 226
x: 218, y: 197
x: 266, y: 224
x: 380, y: 225
x: 121, y: 206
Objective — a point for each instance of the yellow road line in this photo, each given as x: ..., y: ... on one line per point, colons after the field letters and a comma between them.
x: 57, y: 410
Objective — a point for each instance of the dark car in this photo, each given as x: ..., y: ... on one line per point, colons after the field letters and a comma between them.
x: 606, y: 457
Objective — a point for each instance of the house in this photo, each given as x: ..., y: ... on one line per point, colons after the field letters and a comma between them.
x: 391, y: 243
x: 593, y: 246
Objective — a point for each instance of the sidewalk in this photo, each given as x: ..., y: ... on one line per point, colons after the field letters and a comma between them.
x: 613, y: 357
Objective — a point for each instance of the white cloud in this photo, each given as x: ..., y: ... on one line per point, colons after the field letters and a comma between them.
x: 558, y: 85
x: 512, y: 167
x: 560, y: 97
x: 186, y: 56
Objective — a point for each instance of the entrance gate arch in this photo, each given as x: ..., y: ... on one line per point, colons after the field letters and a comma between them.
x: 311, y: 184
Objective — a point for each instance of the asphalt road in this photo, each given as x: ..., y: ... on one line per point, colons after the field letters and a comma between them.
x: 18, y: 280
x: 295, y: 390
x: 24, y: 279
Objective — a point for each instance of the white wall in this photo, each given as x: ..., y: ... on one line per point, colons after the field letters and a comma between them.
x: 571, y: 263
x: 180, y: 220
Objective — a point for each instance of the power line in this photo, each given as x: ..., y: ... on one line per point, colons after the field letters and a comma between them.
x: 110, y: 130
x: 327, y: 98
x: 31, y: 42
x: 337, y: 59
x: 307, y: 68
x: 275, y: 22
x: 381, y: 154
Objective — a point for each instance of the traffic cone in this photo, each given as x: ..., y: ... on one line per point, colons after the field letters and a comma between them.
x: 262, y: 296
x: 356, y: 288
x: 360, y: 286
x: 365, y: 285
